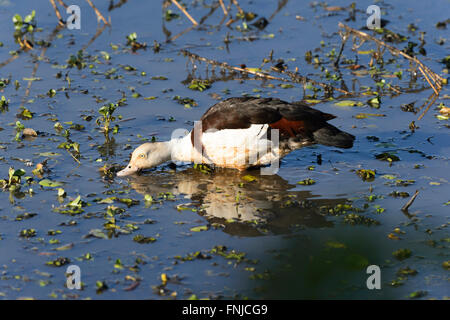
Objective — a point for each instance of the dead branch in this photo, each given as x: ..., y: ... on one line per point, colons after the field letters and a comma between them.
x: 428, y: 74
x: 175, y: 37
x: 237, y: 6
x: 175, y: 2
x: 96, y: 35
x: 281, y: 4
x: 428, y: 80
x: 10, y: 59
x: 296, y: 78
x: 58, y: 14
x: 63, y: 4
x: 202, y: 20
x: 344, y: 37
x: 224, y: 9
x: 434, y: 97
x: 410, y: 202
x: 98, y: 13
x: 211, y: 11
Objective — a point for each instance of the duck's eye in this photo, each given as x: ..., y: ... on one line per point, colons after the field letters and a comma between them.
x: 142, y: 155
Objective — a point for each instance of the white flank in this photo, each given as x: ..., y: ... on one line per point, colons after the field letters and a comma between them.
x: 232, y: 148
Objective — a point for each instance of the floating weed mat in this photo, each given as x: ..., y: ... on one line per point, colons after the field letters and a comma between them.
x: 236, y: 72
x: 378, y: 62
x: 219, y: 250
x: 434, y: 80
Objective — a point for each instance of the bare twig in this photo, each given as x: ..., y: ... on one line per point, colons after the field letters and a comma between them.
x: 281, y: 4
x: 237, y: 6
x: 175, y: 2
x: 124, y: 120
x: 426, y: 72
x: 58, y: 14
x: 224, y: 9
x: 98, y: 13
x: 96, y: 35
x: 344, y: 37
x: 230, y: 22
x: 180, y: 33
x: 394, y: 89
x: 63, y: 4
x: 73, y: 157
x: 296, y: 78
x: 428, y: 80
x: 429, y: 105
x: 11, y: 59
x: 211, y: 11
x: 410, y: 202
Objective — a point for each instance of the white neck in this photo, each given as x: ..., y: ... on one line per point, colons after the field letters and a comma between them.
x: 181, y: 149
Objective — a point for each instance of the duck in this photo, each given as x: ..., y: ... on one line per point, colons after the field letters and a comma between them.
x: 243, y: 133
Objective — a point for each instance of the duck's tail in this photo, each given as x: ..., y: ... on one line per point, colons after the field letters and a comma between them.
x: 331, y: 136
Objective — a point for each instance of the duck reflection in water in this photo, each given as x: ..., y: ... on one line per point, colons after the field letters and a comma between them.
x: 244, y: 203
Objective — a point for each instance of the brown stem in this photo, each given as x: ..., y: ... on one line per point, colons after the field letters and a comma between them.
x: 429, y: 105
x: 63, y: 4
x: 237, y: 6
x: 224, y: 9
x: 185, y: 12
x: 58, y: 14
x: 97, y: 12
x: 410, y: 202
x: 428, y: 80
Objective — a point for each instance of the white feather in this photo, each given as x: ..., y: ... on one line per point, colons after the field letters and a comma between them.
x: 234, y: 148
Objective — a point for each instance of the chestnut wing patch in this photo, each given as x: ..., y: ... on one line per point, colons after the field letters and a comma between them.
x: 289, y: 127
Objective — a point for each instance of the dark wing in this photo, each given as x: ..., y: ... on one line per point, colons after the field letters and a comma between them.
x: 241, y: 113
x: 292, y: 119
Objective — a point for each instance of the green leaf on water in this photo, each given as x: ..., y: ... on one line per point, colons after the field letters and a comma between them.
x: 19, y: 172
x: 249, y: 178
x: 402, y: 254
x: 49, y: 183
x: 418, y: 294
x: 61, y: 192
x: 97, y: 233
x: 199, y: 228
x: 307, y: 182
x: 335, y: 245
x: 75, y: 203
x: 366, y: 175
x: 142, y: 239
x: 374, y: 102
x: 49, y: 154
x: 349, y: 103
x: 386, y: 156
x: 366, y: 115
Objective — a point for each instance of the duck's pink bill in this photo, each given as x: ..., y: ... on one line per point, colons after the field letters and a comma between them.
x: 128, y: 170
